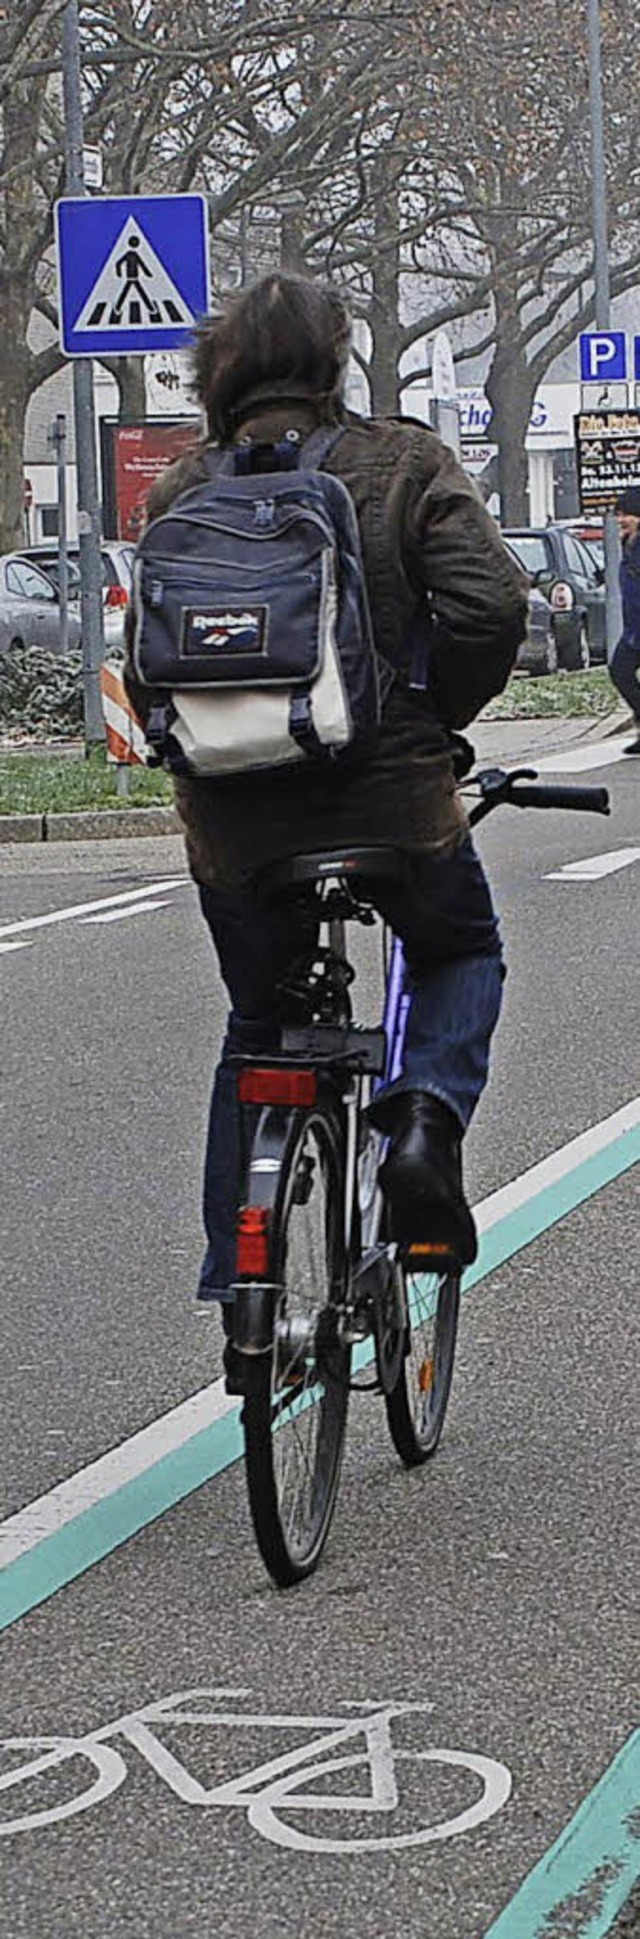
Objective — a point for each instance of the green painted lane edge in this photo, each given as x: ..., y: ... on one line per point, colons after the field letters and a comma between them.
x: 68, y: 1552
x: 592, y: 1867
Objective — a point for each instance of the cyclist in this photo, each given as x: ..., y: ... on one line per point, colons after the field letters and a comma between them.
x: 436, y: 569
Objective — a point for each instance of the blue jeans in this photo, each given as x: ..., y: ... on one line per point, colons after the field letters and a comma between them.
x: 624, y: 670
x: 442, y: 911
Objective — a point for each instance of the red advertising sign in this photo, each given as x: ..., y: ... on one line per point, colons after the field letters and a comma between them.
x: 136, y: 454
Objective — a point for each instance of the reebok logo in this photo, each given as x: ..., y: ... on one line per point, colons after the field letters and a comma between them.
x: 225, y: 630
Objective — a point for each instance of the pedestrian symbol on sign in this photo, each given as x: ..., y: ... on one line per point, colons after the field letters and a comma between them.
x: 133, y: 290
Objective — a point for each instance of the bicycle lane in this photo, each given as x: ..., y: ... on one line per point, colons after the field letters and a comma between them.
x: 451, y: 1590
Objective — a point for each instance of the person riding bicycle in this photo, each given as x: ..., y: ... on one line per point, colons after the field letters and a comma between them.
x: 437, y: 574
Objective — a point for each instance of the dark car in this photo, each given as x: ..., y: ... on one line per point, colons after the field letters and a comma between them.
x: 564, y: 566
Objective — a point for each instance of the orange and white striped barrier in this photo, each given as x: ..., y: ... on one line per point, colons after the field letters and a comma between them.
x: 126, y: 743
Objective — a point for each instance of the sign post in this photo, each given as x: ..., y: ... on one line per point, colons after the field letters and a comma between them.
x: 602, y: 286
x: 57, y: 439
x: 86, y: 464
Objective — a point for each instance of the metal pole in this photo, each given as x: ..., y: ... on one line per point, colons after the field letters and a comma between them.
x: 601, y: 283
x: 60, y: 440
x: 89, y: 515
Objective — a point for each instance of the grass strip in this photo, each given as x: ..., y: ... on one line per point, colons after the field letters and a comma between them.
x: 33, y: 784
x: 569, y: 696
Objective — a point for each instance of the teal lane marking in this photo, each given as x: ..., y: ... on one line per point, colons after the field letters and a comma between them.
x: 66, y: 1553
x: 592, y: 1868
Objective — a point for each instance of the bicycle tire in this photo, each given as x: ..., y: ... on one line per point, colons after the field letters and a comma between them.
x: 294, y: 1384
x: 417, y: 1404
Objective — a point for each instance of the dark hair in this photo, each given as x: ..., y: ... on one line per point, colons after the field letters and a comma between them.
x: 282, y: 329
x: 629, y: 501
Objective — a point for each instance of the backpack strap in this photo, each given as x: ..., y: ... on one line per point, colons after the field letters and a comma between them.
x: 317, y: 447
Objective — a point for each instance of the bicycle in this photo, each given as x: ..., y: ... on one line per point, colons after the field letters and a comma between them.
x: 318, y: 1276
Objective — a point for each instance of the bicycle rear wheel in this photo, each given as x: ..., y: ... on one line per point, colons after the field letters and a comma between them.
x: 417, y: 1404
x: 295, y: 1418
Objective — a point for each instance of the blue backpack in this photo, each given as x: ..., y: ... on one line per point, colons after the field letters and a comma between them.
x: 251, y: 617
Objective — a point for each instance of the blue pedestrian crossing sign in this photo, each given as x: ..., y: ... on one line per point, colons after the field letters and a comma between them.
x: 636, y: 359
x: 133, y: 272
x: 603, y: 356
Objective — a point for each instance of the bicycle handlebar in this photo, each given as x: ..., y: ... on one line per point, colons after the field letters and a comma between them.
x: 498, y: 786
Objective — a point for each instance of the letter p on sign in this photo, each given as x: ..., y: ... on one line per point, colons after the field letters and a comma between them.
x: 603, y: 356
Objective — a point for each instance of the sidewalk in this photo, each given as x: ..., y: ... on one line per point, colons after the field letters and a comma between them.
x: 504, y: 741
x: 496, y: 742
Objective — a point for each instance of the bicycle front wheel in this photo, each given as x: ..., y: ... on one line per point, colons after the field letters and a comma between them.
x: 294, y: 1420
x: 417, y: 1404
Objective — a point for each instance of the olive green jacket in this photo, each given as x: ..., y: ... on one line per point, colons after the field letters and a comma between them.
x: 438, y: 578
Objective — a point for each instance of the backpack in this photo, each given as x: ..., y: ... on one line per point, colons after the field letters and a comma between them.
x: 251, y: 619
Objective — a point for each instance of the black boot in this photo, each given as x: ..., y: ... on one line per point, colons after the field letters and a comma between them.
x: 421, y: 1176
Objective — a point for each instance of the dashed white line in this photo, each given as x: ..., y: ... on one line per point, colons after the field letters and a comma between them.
x: 593, y: 867
x: 579, y: 760
x: 120, y: 915
x: 87, y: 908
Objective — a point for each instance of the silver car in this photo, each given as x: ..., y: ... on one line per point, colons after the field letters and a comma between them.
x: 29, y: 610
x: 117, y: 561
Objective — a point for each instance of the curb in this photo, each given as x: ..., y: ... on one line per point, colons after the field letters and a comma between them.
x: 101, y: 824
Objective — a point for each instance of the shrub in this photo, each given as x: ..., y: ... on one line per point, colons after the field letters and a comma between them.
x: 40, y: 692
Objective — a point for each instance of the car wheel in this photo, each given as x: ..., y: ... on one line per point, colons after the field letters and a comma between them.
x: 16, y: 645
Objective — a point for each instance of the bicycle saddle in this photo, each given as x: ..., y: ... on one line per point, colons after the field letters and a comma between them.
x: 349, y: 864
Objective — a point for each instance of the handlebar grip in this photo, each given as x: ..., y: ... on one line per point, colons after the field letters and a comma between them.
x: 593, y: 801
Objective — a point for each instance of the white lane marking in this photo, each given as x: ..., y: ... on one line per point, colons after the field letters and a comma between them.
x: 6, y: 947
x: 132, y: 1457
x: 120, y: 915
x: 578, y: 760
x: 86, y: 908
x: 509, y: 1198
x: 50, y: 1512
x: 594, y: 866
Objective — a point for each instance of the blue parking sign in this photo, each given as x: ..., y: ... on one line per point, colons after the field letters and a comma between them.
x: 603, y: 356
x: 133, y: 272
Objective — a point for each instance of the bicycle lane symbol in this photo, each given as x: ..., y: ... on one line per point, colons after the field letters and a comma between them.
x: 363, y: 1743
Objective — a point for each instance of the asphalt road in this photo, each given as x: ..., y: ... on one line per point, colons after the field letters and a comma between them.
x: 497, y: 1591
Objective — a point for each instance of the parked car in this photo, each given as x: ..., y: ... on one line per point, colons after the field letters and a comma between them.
x: 539, y: 652
x: 564, y: 567
x: 117, y: 578
x: 29, y: 609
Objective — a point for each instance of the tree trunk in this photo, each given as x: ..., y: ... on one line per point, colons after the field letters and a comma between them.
x: 510, y: 388
x: 129, y: 376
x: 21, y: 112
x: 385, y: 327
x: 15, y: 390
x: 510, y: 391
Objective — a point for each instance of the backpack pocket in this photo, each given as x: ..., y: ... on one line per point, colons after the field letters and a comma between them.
x: 256, y: 630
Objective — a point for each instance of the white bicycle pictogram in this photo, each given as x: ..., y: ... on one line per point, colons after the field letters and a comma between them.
x: 273, y: 1791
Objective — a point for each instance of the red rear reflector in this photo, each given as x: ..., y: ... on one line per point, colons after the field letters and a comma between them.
x: 277, y: 1086
x: 116, y: 596
x: 252, y: 1254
